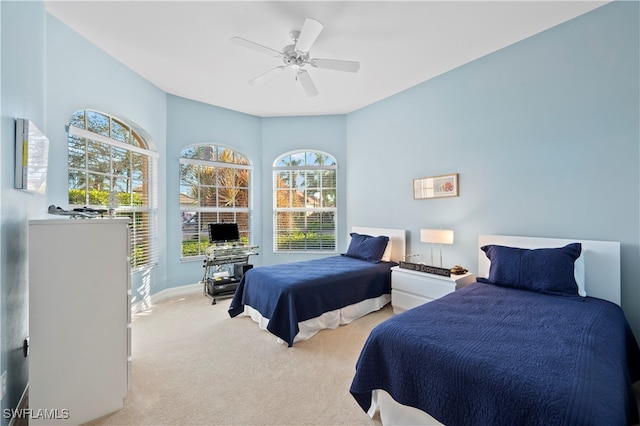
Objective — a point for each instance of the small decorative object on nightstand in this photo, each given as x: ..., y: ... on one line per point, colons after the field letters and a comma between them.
x: 412, y: 288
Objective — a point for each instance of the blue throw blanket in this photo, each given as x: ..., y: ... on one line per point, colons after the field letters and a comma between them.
x: 293, y: 292
x: 486, y: 355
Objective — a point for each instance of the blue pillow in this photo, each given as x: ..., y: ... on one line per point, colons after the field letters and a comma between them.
x: 545, y: 270
x: 366, y: 247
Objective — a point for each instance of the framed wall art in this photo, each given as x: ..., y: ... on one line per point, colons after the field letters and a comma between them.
x: 435, y: 187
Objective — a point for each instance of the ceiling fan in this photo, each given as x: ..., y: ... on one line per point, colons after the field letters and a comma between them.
x: 297, y: 56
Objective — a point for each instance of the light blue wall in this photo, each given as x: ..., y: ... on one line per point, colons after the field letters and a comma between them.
x: 281, y: 135
x: 188, y: 123
x: 80, y: 76
x: 262, y: 140
x: 23, y: 95
x: 544, y: 135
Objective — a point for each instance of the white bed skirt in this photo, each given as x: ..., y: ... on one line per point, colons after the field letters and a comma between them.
x: 394, y: 413
x: 332, y: 319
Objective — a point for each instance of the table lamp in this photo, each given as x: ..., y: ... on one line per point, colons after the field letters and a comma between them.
x: 436, y: 236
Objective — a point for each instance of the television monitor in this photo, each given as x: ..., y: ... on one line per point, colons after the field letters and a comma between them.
x: 223, y: 233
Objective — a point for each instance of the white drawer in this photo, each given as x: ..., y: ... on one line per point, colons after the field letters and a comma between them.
x: 402, y: 301
x: 431, y: 288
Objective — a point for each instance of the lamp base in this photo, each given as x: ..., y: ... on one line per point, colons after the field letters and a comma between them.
x: 426, y: 268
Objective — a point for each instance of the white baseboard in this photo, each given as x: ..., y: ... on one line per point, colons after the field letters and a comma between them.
x: 166, y: 294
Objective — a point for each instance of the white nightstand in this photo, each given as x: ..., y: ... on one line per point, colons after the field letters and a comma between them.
x: 411, y: 288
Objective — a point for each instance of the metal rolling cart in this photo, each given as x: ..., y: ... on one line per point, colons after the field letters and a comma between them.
x: 224, y: 266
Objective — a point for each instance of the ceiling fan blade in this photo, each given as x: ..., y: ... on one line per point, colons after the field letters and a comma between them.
x: 307, y: 83
x: 336, y: 64
x: 308, y: 35
x: 255, y: 46
x: 267, y: 75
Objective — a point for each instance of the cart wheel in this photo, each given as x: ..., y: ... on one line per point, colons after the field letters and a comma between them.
x: 213, y: 302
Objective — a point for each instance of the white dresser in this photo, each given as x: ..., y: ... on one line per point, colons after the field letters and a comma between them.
x: 79, y: 319
x: 411, y: 288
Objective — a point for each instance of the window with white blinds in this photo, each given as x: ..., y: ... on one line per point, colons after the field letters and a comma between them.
x: 215, y: 187
x: 111, y: 167
x: 305, y: 202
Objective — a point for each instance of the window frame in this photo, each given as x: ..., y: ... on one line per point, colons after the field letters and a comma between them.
x: 203, y: 212
x: 306, y: 246
x: 144, y: 217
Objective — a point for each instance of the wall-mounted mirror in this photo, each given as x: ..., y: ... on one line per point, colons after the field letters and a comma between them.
x: 32, y: 155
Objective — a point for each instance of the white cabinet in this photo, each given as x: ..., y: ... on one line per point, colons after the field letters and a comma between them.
x: 411, y: 288
x: 79, y: 319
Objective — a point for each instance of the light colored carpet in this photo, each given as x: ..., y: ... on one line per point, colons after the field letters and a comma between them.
x: 194, y: 365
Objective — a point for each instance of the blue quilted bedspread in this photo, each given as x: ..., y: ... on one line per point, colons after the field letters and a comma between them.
x: 293, y: 292
x: 487, y: 355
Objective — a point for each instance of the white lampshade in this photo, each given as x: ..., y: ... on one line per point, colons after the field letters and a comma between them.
x: 439, y: 236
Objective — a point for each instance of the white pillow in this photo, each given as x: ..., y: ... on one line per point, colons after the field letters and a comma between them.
x: 386, y: 256
x: 578, y: 273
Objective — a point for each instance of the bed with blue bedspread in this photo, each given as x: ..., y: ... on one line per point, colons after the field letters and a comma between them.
x: 322, y: 292
x: 520, y: 347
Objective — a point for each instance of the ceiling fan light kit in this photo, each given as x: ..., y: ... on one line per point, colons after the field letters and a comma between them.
x: 296, y: 56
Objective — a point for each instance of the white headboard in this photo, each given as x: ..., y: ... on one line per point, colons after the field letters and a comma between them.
x: 601, y: 261
x: 398, y: 238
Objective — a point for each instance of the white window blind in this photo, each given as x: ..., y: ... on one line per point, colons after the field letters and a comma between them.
x: 305, y: 202
x: 111, y: 167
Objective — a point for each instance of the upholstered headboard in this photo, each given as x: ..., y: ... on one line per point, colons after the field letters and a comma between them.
x: 398, y: 238
x: 601, y: 261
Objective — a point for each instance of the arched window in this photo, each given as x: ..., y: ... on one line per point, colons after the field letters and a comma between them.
x: 111, y: 166
x: 215, y: 186
x: 305, y: 202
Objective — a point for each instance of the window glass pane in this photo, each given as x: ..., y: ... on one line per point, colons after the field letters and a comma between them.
x: 284, y: 161
x: 297, y: 159
x: 191, y: 152
x: 136, y: 140
x: 122, y: 184
x: 109, y: 171
x: 328, y: 197
x: 98, y: 123
x: 282, y: 198
x: 312, y: 193
x: 139, y: 192
x: 225, y: 155
x: 97, y: 181
x: 219, y: 193
x: 242, y: 198
x: 240, y: 159
x: 243, y: 177
x: 207, y: 175
x: 120, y: 132
x: 208, y: 196
x: 77, y: 150
x: 98, y: 156
x: 225, y: 177
x: 121, y: 161
x: 188, y: 174
x: 283, y: 179
x: 77, y: 188
x: 77, y: 119
x: 328, y: 178
x: 138, y: 165
x: 208, y: 153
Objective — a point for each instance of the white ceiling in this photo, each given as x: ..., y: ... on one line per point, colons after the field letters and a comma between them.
x: 184, y: 48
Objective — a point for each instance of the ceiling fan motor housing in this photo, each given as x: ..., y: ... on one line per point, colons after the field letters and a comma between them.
x: 290, y: 56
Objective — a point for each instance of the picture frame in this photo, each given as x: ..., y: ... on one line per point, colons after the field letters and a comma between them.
x: 442, y: 186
